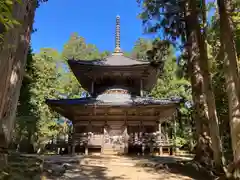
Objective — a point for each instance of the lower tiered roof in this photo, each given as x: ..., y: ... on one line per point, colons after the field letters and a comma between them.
x: 134, y: 108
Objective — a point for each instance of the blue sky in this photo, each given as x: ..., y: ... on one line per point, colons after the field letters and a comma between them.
x: 94, y: 20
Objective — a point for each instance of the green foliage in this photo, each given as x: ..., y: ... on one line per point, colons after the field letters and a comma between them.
x: 165, y: 15
x: 46, y: 83
x: 6, y: 16
x: 140, y: 49
x: 77, y: 48
x: 169, y: 84
x: 7, y: 19
x: 48, y: 76
x: 70, y: 86
x: 35, y: 120
x: 26, y: 121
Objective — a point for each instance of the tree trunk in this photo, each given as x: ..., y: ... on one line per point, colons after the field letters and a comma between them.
x: 228, y: 50
x: 198, y: 48
x: 200, y: 115
x: 13, y: 53
x: 209, y: 94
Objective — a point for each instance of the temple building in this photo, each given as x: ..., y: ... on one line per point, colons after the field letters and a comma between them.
x: 118, y: 117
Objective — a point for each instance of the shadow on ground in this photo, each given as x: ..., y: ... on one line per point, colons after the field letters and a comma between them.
x: 101, y: 167
x: 85, y: 173
x: 174, y: 164
x: 72, y: 168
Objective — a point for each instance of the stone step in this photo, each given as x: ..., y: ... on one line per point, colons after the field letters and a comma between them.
x: 109, y: 151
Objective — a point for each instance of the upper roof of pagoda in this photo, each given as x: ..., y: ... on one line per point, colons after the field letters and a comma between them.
x: 112, y: 71
x: 115, y: 69
x: 112, y: 60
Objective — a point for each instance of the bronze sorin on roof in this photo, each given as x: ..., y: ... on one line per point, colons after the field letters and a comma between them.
x: 117, y: 38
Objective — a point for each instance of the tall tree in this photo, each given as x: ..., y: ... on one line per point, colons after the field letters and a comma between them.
x: 140, y: 49
x: 229, y: 54
x: 77, y: 48
x: 45, y: 84
x: 170, y: 84
x: 207, y: 85
x: 195, y: 40
x: 26, y: 120
x: 13, y: 53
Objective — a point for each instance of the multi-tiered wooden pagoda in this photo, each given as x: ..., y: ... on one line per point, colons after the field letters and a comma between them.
x: 117, y: 117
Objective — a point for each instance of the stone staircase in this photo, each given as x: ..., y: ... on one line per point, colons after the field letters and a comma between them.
x: 109, y: 151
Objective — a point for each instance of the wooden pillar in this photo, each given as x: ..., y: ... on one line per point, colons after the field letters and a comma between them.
x: 143, y: 149
x: 175, y: 135
x: 141, y: 87
x: 69, y: 149
x: 143, y: 144
x: 86, y: 149
x: 92, y: 87
x: 69, y: 141
x: 89, y: 130
x: 104, y: 137
x: 160, y: 139
x: 126, y: 137
x: 73, y: 141
x: 151, y: 148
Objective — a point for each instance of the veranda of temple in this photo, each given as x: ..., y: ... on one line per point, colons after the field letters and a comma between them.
x: 118, y: 118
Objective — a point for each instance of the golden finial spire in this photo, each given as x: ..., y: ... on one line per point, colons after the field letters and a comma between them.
x: 117, y: 37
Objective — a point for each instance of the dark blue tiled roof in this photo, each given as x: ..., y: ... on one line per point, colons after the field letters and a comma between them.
x: 112, y: 60
x: 132, y: 101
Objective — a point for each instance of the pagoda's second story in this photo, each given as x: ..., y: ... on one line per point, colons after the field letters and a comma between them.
x: 116, y: 72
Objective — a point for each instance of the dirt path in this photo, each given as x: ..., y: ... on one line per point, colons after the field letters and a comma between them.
x: 105, y: 168
x: 120, y: 173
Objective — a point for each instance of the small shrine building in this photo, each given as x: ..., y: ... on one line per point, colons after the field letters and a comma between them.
x: 118, y: 118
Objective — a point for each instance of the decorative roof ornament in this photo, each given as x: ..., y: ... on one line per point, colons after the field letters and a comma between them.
x: 117, y: 50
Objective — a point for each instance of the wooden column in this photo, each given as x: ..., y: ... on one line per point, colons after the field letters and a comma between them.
x: 175, y: 135
x: 151, y: 148
x: 125, y: 135
x: 160, y: 139
x: 104, y: 136
x: 69, y: 145
x: 141, y: 87
x: 92, y: 87
x: 89, y: 129
x: 86, y: 150
x: 73, y: 141
x: 143, y: 144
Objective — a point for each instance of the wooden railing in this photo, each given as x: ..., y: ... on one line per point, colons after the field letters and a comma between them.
x: 163, y: 143
x: 97, y: 140
x: 82, y: 139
